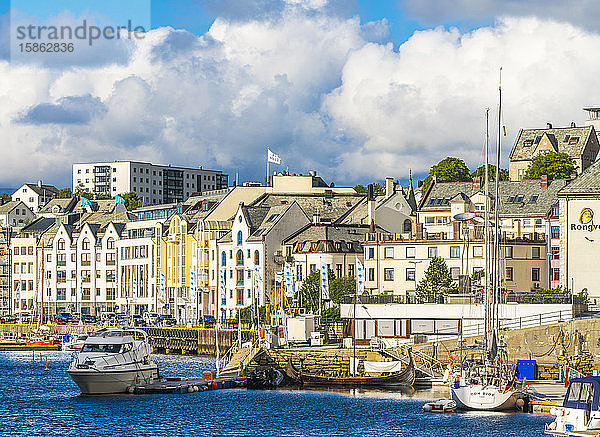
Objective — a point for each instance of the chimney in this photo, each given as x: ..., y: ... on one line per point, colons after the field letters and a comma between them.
x: 573, y: 124
x: 477, y: 183
x: 389, y: 187
x: 419, y: 231
x: 316, y: 219
x: 544, y: 181
x: 40, y: 183
x: 548, y: 125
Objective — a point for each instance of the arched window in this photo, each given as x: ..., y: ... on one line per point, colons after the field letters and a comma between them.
x: 239, y: 238
x: 86, y: 244
x: 61, y: 244
x: 223, y: 258
x: 256, y: 258
x: 239, y: 258
x: 407, y: 227
x: 110, y: 243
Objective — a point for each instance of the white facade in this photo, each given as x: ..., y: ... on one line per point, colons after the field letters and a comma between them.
x: 154, y: 184
x: 24, y: 272
x: 34, y: 196
x: 80, y: 271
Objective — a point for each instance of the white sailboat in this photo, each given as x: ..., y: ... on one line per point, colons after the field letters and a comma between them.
x: 485, y: 380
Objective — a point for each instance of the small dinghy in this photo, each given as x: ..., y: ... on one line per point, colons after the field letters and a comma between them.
x: 440, y: 406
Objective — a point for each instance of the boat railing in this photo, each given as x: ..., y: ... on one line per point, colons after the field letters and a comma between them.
x: 424, y: 363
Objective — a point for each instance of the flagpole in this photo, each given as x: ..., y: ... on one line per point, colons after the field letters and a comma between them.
x: 267, y: 178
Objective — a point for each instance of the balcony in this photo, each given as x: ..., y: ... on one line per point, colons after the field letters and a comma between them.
x: 86, y: 263
x: 111, y: 262
x: 61, y: 263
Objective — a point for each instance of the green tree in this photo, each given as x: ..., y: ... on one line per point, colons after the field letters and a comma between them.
x: 556, y: 165
x: 448, y: 170
x: 80, y: 192
x: 64, y: 193
x: 338, y: 289
x: 378, y: 189
x: 4, y: 198
x: 437, y: 281
x: 247, y: 313
x: 102, y: 196
x: 480, y: 173
x: 131, y: 200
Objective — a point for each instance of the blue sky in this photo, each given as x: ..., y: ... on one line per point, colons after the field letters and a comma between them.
x: 316, y: 80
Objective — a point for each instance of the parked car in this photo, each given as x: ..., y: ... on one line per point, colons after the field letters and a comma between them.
x: 25, y: 317
x: 88, y: 319
x: 63, y: 318
x: 108, y: 319
x: 123, y: 319
x: 151, y: 319
x: 167, y: 320
x: 138, y: 320
x: 8, y: 319
x: 208, y: 321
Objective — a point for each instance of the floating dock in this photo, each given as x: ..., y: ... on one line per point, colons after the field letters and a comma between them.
x: 187, y: 385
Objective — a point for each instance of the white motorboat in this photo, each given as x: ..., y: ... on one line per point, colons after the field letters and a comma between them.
x: 73, y: 342
x: 113, y: 360
x: 440, y: 406
x: 580, y: 412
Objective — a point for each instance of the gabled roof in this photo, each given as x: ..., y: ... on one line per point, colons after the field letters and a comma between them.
x: 62, y: 206
x: 326, y: 232
x: 270, y: 219
x: 439, y: 196
x: 570, y: 140
x: 254, y: 216
x: 48, y: 189
x: 39, y: 225
x: 9, y: 206
x: 587, y: 182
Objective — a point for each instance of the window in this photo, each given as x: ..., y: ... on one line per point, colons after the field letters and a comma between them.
x: 223, y: 258
x: 555, y: 231
x: 256, y: 258
x: 477, y: 251
x: 535, y: 274
x: 239, y: 277
x: 410, y: 274
x: 479, y: 207
x: 239, y: 258
x: 110, y: 243
x: 338, y: 270
x: 388, y: 274
x: 86, y: 244
x: 556, y: 274
x: 533, y: 198
x: 410, y: 252
x: 535, y: 253
x: 388, y: 252
x: 350, y: 269
x: 61, y: 244
x: 272, y: 217
x: 511, y: 199
x: 454, y: 252
x: 407, y: 226
x: 454, y: 272
x: 371, y: 252
x: 429, y: 220
x: 239, y: 238
x: 509, y: 273
x: 555, y: 251
x: 526, y: 223
x: 432, y: 252
x: 239, y: 296
x: 371, y: 274
x: 508, y: 252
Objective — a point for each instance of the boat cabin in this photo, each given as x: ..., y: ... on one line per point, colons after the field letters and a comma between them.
x: 580, y: 410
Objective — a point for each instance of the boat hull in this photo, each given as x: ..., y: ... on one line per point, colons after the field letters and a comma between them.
x: 94, y: 382
x: 484, y: 398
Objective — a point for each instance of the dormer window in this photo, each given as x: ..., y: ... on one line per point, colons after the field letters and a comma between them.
x: 573, y: 140
x: 528, y: 143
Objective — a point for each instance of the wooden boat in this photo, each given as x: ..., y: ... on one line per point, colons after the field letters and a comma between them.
x: 404, y: 378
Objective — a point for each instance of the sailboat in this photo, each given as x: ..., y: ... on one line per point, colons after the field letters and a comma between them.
x: 485, y: 380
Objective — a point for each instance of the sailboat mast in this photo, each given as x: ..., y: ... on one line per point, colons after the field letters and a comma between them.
x: 497, y: 212
x: 486, y: 237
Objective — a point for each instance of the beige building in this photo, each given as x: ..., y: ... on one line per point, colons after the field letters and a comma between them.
x: 581, y: 143
x: 394, y: 265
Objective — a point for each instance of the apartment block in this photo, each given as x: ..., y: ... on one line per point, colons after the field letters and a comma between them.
x: 154, y: 184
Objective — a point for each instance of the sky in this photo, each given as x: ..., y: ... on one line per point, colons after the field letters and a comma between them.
x: 357, y: 90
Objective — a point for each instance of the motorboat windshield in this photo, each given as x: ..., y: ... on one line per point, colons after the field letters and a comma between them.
x: 107, y: 348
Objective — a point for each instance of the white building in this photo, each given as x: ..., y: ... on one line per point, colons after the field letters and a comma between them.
x: 154, y: 184
x: 35, y: 196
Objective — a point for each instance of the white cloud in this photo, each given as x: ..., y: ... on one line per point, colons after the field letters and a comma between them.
x: 318, y: 89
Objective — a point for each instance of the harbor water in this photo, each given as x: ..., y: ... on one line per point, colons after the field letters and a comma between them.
x: 39, y: 402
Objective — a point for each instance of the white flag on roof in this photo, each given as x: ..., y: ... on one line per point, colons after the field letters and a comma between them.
x: 272, y: 157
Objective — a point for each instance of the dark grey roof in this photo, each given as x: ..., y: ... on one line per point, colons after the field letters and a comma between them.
x: 336, y: 232
x: 272, y: 216
x: 441, y: 193
x: 119, y: 227
x: 332, y: 208
x: 41, y: 224
x: 587, y: 182
x: 570, y: 140
x: 48, y: 189
x: 254, y: 216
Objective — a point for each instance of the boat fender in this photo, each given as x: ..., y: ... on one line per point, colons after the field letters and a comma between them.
x: 190, y: 389
x: 214, y: 385
x: 195, y: 389
x: 427, y: 408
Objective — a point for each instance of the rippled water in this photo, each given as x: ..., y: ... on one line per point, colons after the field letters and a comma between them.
x: 38, y: 402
